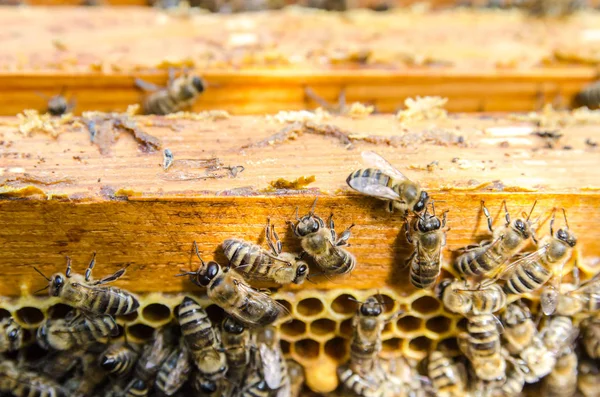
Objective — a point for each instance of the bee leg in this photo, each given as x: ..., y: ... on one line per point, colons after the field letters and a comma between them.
x: 113, y: 277
x: 343, y: 240
x: 486, y: 212
x: 332, y: 228
x: 273, y: 238
x: 409, y: 259
x: 146, y: 86
x: 407, y: 232
x: 88, y: 272
x: 68, y: 271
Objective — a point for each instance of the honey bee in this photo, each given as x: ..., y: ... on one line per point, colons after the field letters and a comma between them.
x: 203, y: 340
x: 81, y: 293
x: 152, y: 357
x: 273, y: 365
x: 254, y: 385
x: 519, y: 328
x: 256, y: 263
x: 136, y: 388
x: 536, y: 269
x: 489, y: 256
x: 368, y: 324
x: 11, y: 335
x: 119, y: 359
x: 589, y: 96
x: 58, y: 105
x: 558, y: 333
x: 21, y: 383
x: 236, y: 343
x: 174, y: 371
x: 180, y: 93
x: 578, y: 297
x: 428, y: 238
x: 227, y: 290
x: 458, y: 297
x: 562, y: 381
x: 88, y: 376
x: 512, y: 386
x: 589, y: 378
x: 323, y: 244
x: 207, y: 387
x: 538, y: 360
x: 481, y: 345
x: 75, y: 331
x: 447, y: 377
x: 296, y: 375
x: 385, y: 182
x: 360, y: 385
x: 591, y: 336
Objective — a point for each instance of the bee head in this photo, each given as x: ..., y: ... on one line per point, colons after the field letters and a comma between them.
x: 57, y: 105
x: 233, y: 327
x: 207, y: 386
x: 56, y: 284
x: 301, y: 272
x: 563, y: 234
x: 186, y: 92
x: 422, y: 203
x: 309, y: 224
x: 198, y: 84
x: 138, y: 385
x: 212, y: 269
x: 371, y: 307
x: 108, y: 363
x: 522, y: 227
x: 428, y: 223
x: 441, y: 287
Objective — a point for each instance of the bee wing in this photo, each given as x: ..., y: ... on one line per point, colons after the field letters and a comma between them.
x: 591, y: 284
x: 364, y: 186
x: 376, y: 161
x: 507, y: 271
x: 271, y: 369
x: 262, y: 299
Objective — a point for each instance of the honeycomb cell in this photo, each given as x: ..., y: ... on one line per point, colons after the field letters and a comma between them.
x: 439, y: 324
x: 140, y: 331
x: 33, y: 353
x: 286, y: 304
x: 59, y: 310
x: 344, y: 304
x: 285, y: 347
x: 29, y: 315
x: 307, y: 349
x: 129, y: 318
x: 388, y: 327
x: 310, y: 307
x: 156, y: 313
x: 346, y: 327
x: 449, y: 345
x: 392, y: 345
x: 420, y: 344
x: 387, y: 302
x: 4, y: 313
x: 293, y: 328
x: 322, y: 326
x: 462, y: 324
x: 425, y: 304
x: 409, y: 323
x: 336, y: 348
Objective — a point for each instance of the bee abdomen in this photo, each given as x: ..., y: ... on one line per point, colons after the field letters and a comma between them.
x: 114, y: 302
x: 369, y: 176
x: 195, y: 325
x: 242, y: 253
x: 527, y: 278
x: 357, y: 384
x: 118, y: 361
x: 477, y: 261
x: 160, y: 103
x: 589, y: 96
x: 169, y: 384
x: 339, y: 261
x: 423, y: 274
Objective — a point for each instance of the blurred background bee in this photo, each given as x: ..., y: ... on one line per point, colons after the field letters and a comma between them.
x: 273, y: 364
x: 92, y: 296
x: 174, y: 371
x: 153, y: 356
x: 519, y: 328
x: 591, y: 336
x: 562, y: 381
x: 256, y: 263
x: 76, y: 330
x: 385, y: 182
x: 119, y: 359
x: 296, y: 375
x: 458, y: 297
x: 227, y: 290
x: 481, y: 345
x: 236, y: 344
x: 577, y: 297
x: 179, y: 94
x: 58, y: 105
x: 322, y: 243
x: 428, y: 238
x: 448, y: 378
x: 588, y: 380
x: 488, y: 256
x: 11, y: 335
x: 22, y: 383
x: 589, y: 96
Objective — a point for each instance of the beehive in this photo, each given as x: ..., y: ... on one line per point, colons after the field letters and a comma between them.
x: 62, y: 197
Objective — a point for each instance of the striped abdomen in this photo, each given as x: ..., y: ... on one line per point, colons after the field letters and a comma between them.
x: 484, y: 338
x: 109, y: 300
x: 30, y: 384
x: 161, y: 103
x: 119, y: 360
x: 589, y: 96
x: 174, y: 372
x: 481, y: 259
x: 137, y: 388
x: 489, y: 300
x: 529, y: 277
x: 562, y: 381
x: 92, y: 329
x: 336, y: 261
x: 368, y: 176
x: 195, y: 325
x: 515, y: 381
x: 423, y: 272
x: 254, y: 386
x: 358, y: 385
x: 557, y: 333
x: 247, y: 257
x: 444, y: 375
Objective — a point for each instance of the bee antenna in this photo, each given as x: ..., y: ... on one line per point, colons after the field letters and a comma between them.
x: 185, y: 273
x: 355, y: 300
x: 530, y: 211
x: 565, y: 215
x: 42, y: 274
x: 41, y: 289
x: 312, y: 209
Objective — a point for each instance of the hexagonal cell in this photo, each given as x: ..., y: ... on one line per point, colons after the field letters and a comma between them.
x: 59, y: 310
x: 286, y: 304
x: 156, y: 313
x: 439, y: 324
x: 388, y: 327
x: 346, y: 327
x: 344, y: 304
x: 310, y: 307
x: 293, y: 328
x: 337, y: 348
x: 141, y: 332
x: 409, y: 323
x: 307, y: 349
x: 129, y: 318
x: 29, y: 315
x: 425, y: 304
x: 420, y: 344
x: 322, y: 326
x: 392, y: 345
x: 449, y: 345
x: 4, y: 313
x: 285, y: 346
x: 461, y: 325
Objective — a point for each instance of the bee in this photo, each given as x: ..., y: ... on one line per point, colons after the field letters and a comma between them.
x: 203, y: 340
x: 558, y: 333
x: 589, y: 96
x: 519, y: 328
x: 578, y: 297
x: 360, y: 385
x: 75, y: 331
x: 538, y: 360
x: 428, y: 238
x: 487, y: 257
x: 174, y: 371
x: 88, y: 375
x: 58, y: 105
x: 554, y: 8
x: 256, y: 263
x: 296, y: 375
x: 22, y: 383
x: 511, y: 386
x: 387, y: 183
x: 180, y: 93
x: 368, y: 324
x: 458, y: 297
x: 11, y: 335
x: 119, y: 359
x: 589, y: 378
x: 236, y: 343
x: 481, y: 345
x: 254, y: 385
x: 273, y: 366
x: 227, y: 290
x: 591, y: 336
x: 153, y: 356
x: 323, y: 244
x: 447, y: 377
x: 536, y: 269
x: 562, y: 381
x: 81, y: 293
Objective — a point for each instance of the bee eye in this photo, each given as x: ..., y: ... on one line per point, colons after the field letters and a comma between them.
x: 365, y: 311
x: 13, y: 335
x: 436, y: 224
x: 302, y: 270
x: 198, y: 84
x: 376, y: 311
x: 519, y: 224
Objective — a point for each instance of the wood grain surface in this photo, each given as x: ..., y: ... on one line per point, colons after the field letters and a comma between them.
x: 63, y: 197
